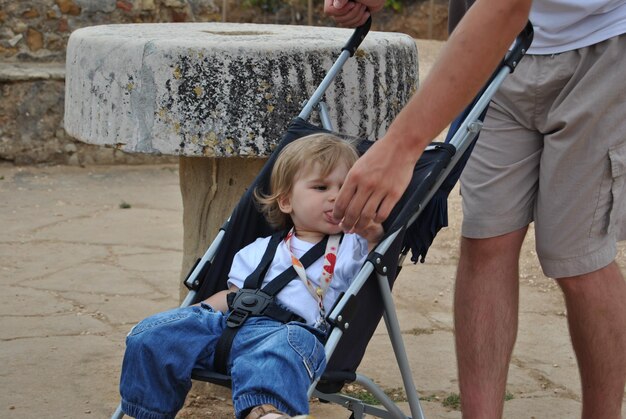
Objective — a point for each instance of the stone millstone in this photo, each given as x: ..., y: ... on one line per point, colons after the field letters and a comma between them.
x: 226, y: 90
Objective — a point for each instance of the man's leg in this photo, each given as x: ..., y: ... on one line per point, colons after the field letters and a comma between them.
x: 485, y: 318
x: 596, y: 313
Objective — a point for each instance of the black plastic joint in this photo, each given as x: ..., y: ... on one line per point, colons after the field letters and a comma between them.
x: 357, y: 37
x: 377, y: 260
x: 192, y: 286
x: 346, y: 315
x: 195, y: 284
x: 521, y: 45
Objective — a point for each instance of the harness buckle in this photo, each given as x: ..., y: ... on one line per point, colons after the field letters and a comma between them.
x: 236, y: 318
x: 245, y: 303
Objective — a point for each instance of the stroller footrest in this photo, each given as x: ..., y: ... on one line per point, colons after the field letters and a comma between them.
x: 212, y: 377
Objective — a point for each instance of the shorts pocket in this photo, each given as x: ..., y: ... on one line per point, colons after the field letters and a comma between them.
x: 309, y: 348
x: 617, y: 215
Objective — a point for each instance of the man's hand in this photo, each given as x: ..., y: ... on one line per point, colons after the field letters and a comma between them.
x: 351, y: 14
x: 373, y: 232
x: 374, y: 185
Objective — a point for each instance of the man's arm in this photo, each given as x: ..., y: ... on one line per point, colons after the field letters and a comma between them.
x: 378, y: 179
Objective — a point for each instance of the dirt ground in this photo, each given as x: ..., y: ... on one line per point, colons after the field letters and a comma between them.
x: 86, y: 252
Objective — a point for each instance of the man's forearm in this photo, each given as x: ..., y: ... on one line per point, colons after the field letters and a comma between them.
x: 469, y: 57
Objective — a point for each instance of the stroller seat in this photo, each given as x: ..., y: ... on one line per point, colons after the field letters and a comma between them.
x: 412, y: 226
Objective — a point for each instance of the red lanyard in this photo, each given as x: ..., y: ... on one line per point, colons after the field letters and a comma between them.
x: 328, y: 268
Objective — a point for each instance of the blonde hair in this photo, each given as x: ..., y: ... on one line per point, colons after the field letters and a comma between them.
x: 327, y: 150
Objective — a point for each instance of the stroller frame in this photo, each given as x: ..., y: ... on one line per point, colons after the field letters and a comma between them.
x: 467, y: 130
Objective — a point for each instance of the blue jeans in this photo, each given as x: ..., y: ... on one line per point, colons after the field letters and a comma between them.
x: 162, y: 350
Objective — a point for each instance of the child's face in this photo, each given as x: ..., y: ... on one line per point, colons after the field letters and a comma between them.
x: 311, y: 201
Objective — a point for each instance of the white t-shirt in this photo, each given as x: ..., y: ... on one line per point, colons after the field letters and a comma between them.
x: 295, y: 296
x: 565, y: 25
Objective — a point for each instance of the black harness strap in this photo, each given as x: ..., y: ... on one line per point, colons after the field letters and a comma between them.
x: 277, y: 284
x: 251, y: 300
x: 255, y: 279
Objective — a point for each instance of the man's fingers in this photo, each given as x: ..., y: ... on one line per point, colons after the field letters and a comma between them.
x: 351, y: 199
x: 354, y: 209
x: 373, y: 5
x: 356, y: 14
x: 351, y: 13
x: 357, y: 21
x: 385, y: 209
x: 369, y: 211
x: 343, y: 199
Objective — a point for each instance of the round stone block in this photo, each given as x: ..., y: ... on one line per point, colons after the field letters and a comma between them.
x: 225, y: 89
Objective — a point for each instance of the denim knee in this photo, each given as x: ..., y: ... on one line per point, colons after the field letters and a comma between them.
x: 161, y: 352
x: 276, y: 365
x: 310, y: 349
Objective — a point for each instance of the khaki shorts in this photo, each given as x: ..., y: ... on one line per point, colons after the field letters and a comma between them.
x: 553, y: 151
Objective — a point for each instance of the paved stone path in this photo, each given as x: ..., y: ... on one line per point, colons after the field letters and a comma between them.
x: 77, y: 269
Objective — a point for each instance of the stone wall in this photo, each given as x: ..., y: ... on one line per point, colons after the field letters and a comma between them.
x: 33, y: 38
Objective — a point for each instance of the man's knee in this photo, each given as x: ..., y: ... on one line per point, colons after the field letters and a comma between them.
x: 606, y: 279
x: 502, y: 248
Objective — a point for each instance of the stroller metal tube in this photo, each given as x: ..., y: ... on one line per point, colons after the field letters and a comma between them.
x: 391, y: 321
x: 346, y: 52
x: 467, y: 131
x: 471, y: 125
x: 189, y: 299
x: 335, y: 335
x: 360, y: 408
x: 326, y: 82
x: 377, y: 392
x: 325, y: 117
x: 353, y: 289
x: 118, y: 414
x: 459, y: 140
x: 393, y: 326
x: 206, y: 258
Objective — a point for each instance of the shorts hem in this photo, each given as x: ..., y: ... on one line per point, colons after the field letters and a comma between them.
x: 481, y: 230
x: 579, y: 265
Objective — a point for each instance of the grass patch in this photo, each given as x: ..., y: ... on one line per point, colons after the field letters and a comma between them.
x: 431, y: 398
x: 360, y: 393
x: 452, y: 401
x: 420, y: 331
x: 124, y: 205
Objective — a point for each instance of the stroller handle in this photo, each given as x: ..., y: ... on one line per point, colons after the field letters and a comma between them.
x: 357, y: 37
x: 346, y: 52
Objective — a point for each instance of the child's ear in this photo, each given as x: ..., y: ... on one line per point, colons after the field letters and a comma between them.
x: 284, y: 204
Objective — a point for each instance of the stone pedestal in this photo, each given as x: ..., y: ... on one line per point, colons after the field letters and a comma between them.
x: 220, y: 95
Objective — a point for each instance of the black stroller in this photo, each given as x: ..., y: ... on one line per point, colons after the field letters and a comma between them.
x: 412, y: 225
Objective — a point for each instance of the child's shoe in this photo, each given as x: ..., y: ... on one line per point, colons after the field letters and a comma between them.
x: 267, y: 411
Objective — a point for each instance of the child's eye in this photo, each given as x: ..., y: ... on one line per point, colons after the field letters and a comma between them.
x: 320, y: 187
